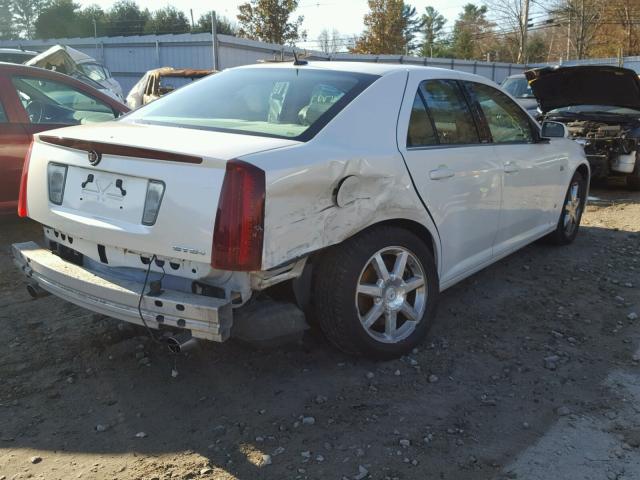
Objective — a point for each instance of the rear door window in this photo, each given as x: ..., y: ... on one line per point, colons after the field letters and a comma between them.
x: 506, y: 120
x: 421, y: 132
x: 48, y: 101
x: 450, y: 112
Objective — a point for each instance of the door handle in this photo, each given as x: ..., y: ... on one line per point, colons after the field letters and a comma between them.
x: 511, y: 167
x: 441, y: 173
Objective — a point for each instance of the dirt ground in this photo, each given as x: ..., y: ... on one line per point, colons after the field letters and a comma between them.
x: 531, y: 372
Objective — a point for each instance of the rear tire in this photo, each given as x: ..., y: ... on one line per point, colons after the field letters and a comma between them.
x: 572, y: 209
x: 376, y: 294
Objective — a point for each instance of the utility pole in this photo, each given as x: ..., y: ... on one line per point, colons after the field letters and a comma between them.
x: 569, y: 37
x: 525, y: 31
x: 192, y: 22
x: 95, y: 36
x: 214, y: 39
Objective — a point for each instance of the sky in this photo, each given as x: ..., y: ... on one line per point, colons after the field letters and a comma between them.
x: 343, y: 15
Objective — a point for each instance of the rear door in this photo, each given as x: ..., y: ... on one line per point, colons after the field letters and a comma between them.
x: 455, y: 173
x: 532, y: 169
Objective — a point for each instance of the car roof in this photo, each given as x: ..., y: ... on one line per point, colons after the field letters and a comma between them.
x: 372, y: 68
x: 517, y: 75
x: 18, y: 51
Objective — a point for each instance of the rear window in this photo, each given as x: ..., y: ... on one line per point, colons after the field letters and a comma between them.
x: 276, y: 102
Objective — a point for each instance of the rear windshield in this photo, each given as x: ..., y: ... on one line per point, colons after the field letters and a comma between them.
x: 275, y: 102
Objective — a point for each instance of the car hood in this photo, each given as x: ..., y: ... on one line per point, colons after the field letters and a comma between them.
x: 559, y: 87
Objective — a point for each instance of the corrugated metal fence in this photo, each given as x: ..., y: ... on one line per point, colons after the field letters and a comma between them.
x: 129, y: 58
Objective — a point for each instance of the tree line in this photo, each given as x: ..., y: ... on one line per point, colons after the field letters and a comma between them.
x: 64, y: 19
x: 495, y: 30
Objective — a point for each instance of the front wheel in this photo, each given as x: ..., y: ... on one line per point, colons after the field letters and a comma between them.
x: 569, y: 222
x: 376, y: 293
x: 633, y: 179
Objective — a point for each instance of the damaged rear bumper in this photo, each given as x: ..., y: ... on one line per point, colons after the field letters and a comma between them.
x: 207, y: 317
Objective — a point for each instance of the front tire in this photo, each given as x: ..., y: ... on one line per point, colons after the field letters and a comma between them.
x: 572, y: 209
x: 376, y: 293
x: 633, y: 179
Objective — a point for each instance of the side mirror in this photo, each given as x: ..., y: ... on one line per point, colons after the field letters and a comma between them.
x: 554, y: 130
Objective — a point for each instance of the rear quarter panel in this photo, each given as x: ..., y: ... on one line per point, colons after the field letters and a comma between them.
x: 356, y: 154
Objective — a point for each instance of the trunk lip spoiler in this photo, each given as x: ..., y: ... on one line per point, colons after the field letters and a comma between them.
x: 104, y: 148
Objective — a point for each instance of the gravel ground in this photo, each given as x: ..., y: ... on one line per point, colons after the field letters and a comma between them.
x: 531, y: 372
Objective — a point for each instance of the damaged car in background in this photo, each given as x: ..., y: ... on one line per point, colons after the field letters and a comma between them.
x: 79, y: 65
x: 161, y: 81
x: 600, y: 106
x: 352, y: 192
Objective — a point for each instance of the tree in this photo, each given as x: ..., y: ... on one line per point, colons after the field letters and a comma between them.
x: 329, y: 42
x: 384, y: 28
x: 126, y: 18
x: 167, y: 20
x: 584, y: 18
x: 511, y: 14
x: 25, y: 13
x: 412, y: 25
x: 469, y: 31
x: 57, y: 20
x: 85, y: 19
x: 432, y: 25
x: 6, y: 20
x: 223, y: 25
x: 269, y: 21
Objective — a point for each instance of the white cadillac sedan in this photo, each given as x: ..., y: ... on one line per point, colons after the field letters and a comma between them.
x: 353, y: 192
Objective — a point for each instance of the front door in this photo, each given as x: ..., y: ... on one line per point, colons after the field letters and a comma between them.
x: 457, y: 176
x: 532, y: 170
x: 14, y: 143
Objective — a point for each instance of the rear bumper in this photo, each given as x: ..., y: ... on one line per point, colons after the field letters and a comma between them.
x: 207, y: 318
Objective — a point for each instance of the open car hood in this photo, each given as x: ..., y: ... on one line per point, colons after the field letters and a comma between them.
x: 559, y: 87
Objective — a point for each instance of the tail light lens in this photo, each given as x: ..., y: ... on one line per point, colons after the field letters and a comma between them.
x: 155, y: 191
x: 239, y: 227
x: 57, y: 177
x: 23, y: 211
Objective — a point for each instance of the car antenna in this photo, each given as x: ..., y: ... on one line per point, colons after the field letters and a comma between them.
x: 296, y: 61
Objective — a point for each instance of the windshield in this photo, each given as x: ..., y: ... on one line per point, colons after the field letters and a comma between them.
x: 94, y: 71
x: 518, y: 87
x: 277, y: 102
x: 596, y: 109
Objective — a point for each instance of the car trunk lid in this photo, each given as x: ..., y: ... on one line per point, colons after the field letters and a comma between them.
x: 109, y: 170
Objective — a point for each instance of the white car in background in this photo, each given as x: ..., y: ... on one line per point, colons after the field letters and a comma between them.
x: 356, y: 192
x: 79, y: 65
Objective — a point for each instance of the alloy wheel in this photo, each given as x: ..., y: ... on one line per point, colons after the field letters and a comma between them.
x: 572, y: 208
x: 391, y: 297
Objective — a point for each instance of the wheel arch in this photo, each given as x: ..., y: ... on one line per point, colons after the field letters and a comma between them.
x: 585, y: 171
x: 430, y: 239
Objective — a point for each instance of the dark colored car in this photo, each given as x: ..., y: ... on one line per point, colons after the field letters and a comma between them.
x: 33, y: 100
x: 600, y: 106
x: 518, y: 87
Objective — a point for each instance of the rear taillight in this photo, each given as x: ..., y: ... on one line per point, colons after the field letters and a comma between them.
x: 239, y: 227
x: 23, y: 211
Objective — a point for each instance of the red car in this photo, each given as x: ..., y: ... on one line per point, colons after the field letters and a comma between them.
x: 32, y: 100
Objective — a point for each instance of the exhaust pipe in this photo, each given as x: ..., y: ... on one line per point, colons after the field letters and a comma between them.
x: 183, y: 342
x: 36, y: 291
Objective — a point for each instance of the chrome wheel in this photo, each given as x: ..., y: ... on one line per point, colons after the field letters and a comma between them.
x: 391, y: 297
x: 572, y: 209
